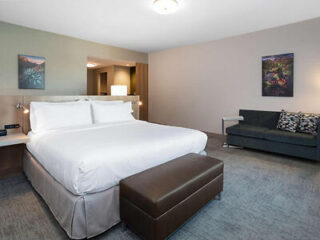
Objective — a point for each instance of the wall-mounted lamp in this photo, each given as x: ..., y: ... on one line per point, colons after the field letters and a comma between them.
x: 21, y: 106
x: 137, y: 102
x: 119, y: 90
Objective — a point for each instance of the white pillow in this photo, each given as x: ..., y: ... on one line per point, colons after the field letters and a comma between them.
x: 107, y: 102
x: 47, y: 116
x: 108, y: 113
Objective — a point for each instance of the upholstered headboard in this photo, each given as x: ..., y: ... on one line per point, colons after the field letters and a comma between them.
x: 9, y: 113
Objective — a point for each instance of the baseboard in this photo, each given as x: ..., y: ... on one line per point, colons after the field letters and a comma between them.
x: 210, y: 134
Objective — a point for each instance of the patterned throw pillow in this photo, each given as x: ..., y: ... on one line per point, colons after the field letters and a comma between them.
x: 308, y: 123
x: 289, y: 121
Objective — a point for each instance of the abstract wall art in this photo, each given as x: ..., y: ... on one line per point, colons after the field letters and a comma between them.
x: 277, y: 75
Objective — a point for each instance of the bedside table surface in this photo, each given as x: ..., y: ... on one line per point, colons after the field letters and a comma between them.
x: 13, y: 139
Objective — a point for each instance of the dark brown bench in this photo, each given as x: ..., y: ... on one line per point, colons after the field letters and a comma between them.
x: 155, y: 202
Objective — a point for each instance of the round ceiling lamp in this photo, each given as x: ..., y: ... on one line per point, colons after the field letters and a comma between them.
x: 90, y: 65
x: 165, y: 6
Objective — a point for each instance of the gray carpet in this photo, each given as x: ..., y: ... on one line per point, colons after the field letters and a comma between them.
x: 266, y: 196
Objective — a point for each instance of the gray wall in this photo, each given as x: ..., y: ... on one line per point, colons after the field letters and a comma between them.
x: 195, y: 86
x: 66, y: 57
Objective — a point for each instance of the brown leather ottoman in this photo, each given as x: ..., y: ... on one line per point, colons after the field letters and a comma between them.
x: 155, y: 202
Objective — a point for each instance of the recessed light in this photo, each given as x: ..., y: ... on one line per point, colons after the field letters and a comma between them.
x: 165, y: 6
x: 127, y: 64
x: 91, y: 65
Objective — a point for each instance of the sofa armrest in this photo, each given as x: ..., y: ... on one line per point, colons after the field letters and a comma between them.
x: 318, y: 132
x: 318, y: 141
x: 234, y: 118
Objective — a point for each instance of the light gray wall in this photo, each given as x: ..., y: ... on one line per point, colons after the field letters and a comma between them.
x: 66, y: 58
x: 195, y: 86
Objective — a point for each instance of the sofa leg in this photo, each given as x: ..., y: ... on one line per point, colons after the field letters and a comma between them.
x: 225, y: 145
x: 235, y: 147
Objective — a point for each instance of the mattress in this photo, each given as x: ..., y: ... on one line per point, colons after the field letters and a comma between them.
x: 94, y: 158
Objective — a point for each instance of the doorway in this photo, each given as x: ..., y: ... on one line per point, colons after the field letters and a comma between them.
x: 102, y: 74
x: 104, y: 83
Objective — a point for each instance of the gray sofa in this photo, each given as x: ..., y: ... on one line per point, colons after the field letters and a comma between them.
x: 258, y: 131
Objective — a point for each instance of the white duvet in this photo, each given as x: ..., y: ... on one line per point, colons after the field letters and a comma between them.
x: 96, y: 157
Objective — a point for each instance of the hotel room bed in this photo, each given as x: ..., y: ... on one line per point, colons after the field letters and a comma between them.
x: 77, y: 170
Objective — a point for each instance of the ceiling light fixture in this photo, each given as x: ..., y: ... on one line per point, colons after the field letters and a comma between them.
x: 165, y: 6
x: 91, y: 65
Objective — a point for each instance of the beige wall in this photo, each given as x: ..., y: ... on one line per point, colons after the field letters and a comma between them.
x: 122, y: 76
x: 195, y: 86
x: 90, y: 82
x: 66, y: 57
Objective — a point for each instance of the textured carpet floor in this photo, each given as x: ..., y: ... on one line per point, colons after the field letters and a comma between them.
x: 265, y: 196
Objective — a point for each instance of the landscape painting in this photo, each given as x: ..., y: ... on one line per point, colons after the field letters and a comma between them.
x: 277, y: 75
x: 31, y: 72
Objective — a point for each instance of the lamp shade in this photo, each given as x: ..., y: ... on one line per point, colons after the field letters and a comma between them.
x: 119, y: 90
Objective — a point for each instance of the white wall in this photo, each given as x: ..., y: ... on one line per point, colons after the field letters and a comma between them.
x: 195, y: 86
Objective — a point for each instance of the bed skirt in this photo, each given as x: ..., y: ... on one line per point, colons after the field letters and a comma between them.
x: 82, y: 216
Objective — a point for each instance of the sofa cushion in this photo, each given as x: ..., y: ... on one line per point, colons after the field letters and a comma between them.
x: 308, y: 123
x: 247, y: 130
x: 288, y: 121
x: 291, y: 138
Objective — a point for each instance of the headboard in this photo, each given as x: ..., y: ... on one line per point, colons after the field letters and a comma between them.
x: 9, y: 113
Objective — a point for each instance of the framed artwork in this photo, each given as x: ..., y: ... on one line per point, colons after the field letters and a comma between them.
x: 31, y: 72
x: 277, y: 75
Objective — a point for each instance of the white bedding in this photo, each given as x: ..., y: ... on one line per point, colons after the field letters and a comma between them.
x: 94, y: 158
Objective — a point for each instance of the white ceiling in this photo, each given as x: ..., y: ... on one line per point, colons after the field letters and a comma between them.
x: 132, y: 24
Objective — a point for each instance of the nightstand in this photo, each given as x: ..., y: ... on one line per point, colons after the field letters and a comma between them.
x: 11, y: 153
